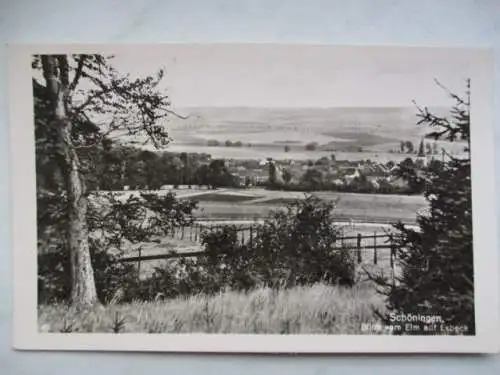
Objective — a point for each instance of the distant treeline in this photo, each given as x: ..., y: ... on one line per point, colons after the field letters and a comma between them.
x: 111, y: 167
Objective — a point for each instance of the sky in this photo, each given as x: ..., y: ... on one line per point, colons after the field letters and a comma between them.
x: 269, y: 75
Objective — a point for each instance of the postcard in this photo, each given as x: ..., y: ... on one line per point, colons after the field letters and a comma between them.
x: 253, y: 198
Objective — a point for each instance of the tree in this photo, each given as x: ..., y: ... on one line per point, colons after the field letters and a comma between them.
x: 218, y: 175
x: 273, y: 178
x: 228, y: 143
x: 311, y: 146
x: 421, y: 151
x: 313, y: 179
x: 71, y: 119
x: 287, y: 176
x: 185, y: 168
x: 287, y: 148
x: 409, y: 147
x: 437, y: 260
x: 213, y: 143
x: 409, y: 172
x: 402, y: 146
x: 428, y: 149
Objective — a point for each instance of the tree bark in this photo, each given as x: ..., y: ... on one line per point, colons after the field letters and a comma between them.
x: 83, y: 290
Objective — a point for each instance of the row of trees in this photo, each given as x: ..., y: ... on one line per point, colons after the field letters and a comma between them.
x: 119, y: 166
x: 424, y: 148
x: 228, y: 143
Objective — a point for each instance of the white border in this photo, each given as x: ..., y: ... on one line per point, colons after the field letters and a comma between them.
x: 26, y: 335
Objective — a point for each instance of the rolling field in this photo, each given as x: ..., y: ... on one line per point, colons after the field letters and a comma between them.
x: 253, y: 204
x: 371, y: 208
x: 263, y: 132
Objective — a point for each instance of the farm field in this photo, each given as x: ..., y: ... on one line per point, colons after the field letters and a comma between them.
x: 263, y: 132
x: 277, y: 152
x: 359, y: 207
x: 319, y: 309
x: 256, y: 203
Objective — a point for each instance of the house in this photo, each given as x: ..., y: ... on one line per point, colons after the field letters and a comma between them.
x: 351, y: 174
x: 263, y: 163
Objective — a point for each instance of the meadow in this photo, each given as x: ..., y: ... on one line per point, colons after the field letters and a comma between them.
x: 371, y: 208
x: 316, y: 309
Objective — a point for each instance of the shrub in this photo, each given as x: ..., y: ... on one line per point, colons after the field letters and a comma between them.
x: 294, y: 247
x: 291, y: 248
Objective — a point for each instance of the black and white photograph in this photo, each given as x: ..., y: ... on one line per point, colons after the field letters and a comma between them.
x: 255, y: 191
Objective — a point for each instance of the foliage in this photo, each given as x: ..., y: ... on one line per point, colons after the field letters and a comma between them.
x: 292, y: 247
x: 437, y: 261
x: 80, y: 103
x: 412, y: 174
x: 311, y: 146
x: 113, y: 225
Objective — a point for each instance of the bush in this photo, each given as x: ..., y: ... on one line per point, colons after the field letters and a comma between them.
x: 311, y: 146
x: 291, y: 248
x: 294, y: 247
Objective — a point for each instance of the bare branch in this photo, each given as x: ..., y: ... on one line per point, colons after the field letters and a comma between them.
x: 78, y: 73
x: 452, y: 95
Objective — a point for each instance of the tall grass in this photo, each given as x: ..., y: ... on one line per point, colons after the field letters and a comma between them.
x: 312, y: 309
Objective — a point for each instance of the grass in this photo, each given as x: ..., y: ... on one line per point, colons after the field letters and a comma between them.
x: 317, y: 309
x: 362, y: 207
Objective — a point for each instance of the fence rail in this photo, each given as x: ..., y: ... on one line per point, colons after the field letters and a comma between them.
x: 359, y: 243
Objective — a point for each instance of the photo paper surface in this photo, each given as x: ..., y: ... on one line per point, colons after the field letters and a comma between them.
x: 253, y: 198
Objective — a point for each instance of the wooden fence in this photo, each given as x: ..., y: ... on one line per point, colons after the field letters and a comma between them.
x: 368, y: 248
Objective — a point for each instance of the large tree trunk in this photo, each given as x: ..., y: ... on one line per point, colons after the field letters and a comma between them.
x: 83, y: 290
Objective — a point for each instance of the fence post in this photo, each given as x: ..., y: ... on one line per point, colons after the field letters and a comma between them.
x: 191, y: 232
x: 360, y: 259
x: 393, y: 252
x: 251, y: 235
x: 139, y: 261
x: 375, y: 248
x: 182, y: 233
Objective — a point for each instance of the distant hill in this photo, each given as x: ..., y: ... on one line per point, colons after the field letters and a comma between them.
x: 383, y: 124
x: 350, y: 129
